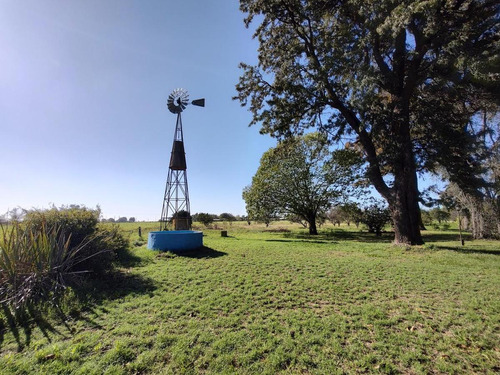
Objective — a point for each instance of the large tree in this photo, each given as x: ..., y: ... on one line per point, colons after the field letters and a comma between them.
x: 301, y: 177
x: 481, y: 206
x: 393, y: 76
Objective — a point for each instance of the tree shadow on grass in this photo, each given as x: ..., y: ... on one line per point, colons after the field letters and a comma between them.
x: 203, y: 252
x: 126, y: 258
x: 305, y: 241
x: 87, y: 294
x: 448, y: 236
x: 343, y: 235
x: 469, y: 251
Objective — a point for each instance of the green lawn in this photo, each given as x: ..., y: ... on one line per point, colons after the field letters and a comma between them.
x: 267, y: 301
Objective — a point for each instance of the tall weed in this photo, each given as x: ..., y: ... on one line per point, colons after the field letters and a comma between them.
x: 36, y: 263
x: 80, y: 224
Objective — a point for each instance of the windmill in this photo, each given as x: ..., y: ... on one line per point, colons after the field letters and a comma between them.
x: 176, y: 199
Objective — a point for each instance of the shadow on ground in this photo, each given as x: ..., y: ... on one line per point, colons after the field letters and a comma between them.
x: 88, y: 293
x: 450, y: 235
x: 21, y: 323
x: 126, y: 258
x: 305, y: 241
x: 338, y: 234
x: 203, y: 252
x: 458, y: 249
x: 330, y: 235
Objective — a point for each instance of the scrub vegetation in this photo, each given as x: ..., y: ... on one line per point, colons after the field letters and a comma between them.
x: 273, y: 300
x: 49, y: 251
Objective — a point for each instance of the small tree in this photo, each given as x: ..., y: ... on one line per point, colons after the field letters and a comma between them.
x: 376, y: 217
x: 227, y: 216
x: 131, y: 219
x: 335, y: 215
x: 122, y: 219
x: 301, y: 177
x: 205, y: 218
x: 350, y: 212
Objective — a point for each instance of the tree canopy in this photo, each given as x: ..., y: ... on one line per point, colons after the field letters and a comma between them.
x: 204, y: 218
x: 399, y: 80
x: 300, y: 177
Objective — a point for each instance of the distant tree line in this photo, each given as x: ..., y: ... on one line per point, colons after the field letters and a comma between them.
x: 207, y: 219
x: 122, y: 219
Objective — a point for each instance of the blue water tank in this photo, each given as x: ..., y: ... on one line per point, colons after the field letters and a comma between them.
x: 175, y: 240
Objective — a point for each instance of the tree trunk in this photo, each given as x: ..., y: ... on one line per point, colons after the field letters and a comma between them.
x: 405, y: 216
x: 312, y: 225
x: 403, y: 202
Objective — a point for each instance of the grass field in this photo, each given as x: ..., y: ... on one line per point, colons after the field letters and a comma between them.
x: 275, y: 300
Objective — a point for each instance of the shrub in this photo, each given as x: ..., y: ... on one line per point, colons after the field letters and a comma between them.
x: 375, y: 217
x: 79, y: 225
x: 106, y: 243
x: 36, y: 263
x: 80, y: 222
x: 204, y: 218
x: 227, y: 216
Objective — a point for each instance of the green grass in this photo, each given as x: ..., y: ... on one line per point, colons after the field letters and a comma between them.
x: 267, y: 301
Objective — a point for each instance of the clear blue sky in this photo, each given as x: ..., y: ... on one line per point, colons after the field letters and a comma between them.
x: 83, y: 119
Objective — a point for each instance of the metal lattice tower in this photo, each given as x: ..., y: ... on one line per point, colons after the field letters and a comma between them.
x: 176, y: 209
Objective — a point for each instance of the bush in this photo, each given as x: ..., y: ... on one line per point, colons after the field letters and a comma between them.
x: 106, y: 243
x: 51, y: 250
x: 376, y: 217
x: 79, y: 225
x: 204, y: 218
x: 36, y: 263
x: 227, y: 216
x: 79, y: 222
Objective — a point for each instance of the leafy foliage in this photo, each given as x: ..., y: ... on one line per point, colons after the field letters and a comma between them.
x: 348, y: 212
x: 205, y: 218
x: 375, y: 217
x: 259, y: 204
x: 79, y: 224
x: 227, y: 216
x: 302, y: 178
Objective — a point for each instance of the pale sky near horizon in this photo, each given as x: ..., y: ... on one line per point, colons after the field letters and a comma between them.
x: 83, y: 116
